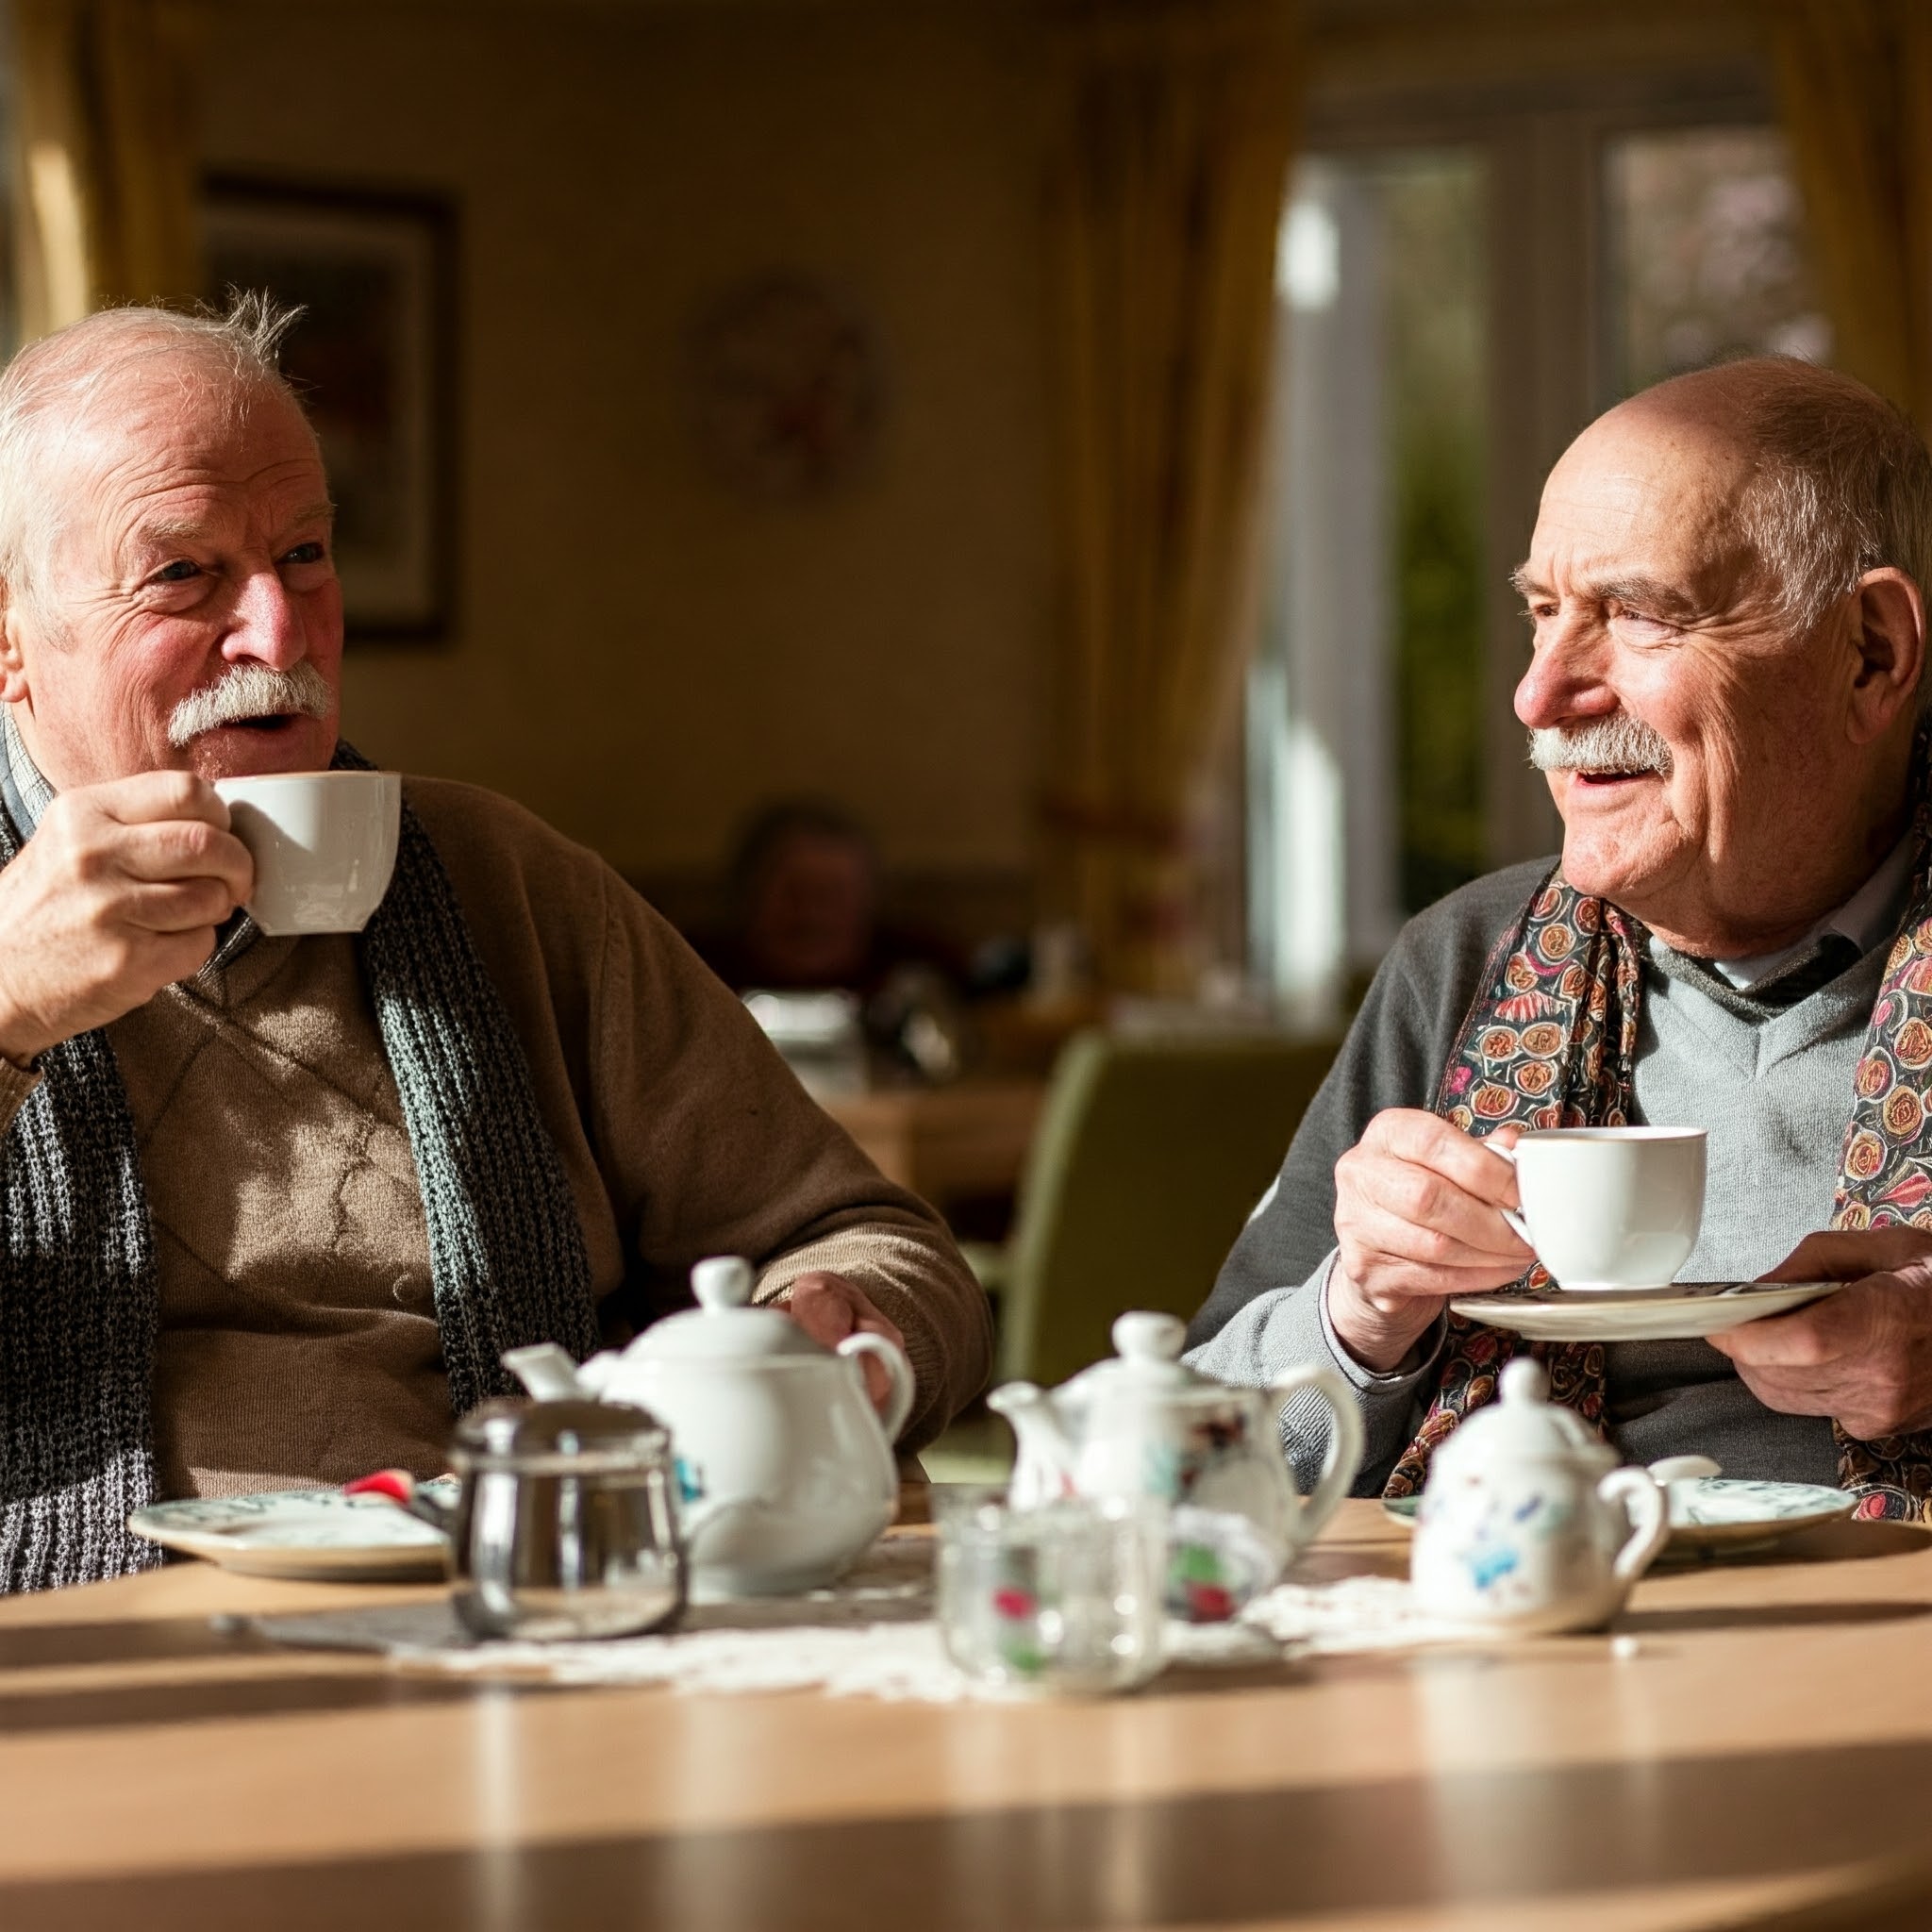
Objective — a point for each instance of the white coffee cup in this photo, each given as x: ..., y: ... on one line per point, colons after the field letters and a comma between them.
x: 323, y: 845
x: 1610, y: 1207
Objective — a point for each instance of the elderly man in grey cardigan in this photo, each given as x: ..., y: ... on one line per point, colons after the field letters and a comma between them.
x: 1724, y: 592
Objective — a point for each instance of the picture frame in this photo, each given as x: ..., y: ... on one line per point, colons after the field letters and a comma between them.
x: 374, y: 358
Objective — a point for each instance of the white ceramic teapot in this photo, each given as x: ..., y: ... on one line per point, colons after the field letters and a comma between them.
x: 1145, y: 1425
x: 785, y: 1470
x: 1520, y: 1527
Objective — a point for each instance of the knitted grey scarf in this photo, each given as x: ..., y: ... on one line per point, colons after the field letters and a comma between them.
x: 77, y: 1297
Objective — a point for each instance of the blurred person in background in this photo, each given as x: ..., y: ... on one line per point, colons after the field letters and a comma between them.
x: 805, y: 890
x: 806, y: 897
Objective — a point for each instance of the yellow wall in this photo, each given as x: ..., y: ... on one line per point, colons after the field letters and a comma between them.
x: 642, y: 654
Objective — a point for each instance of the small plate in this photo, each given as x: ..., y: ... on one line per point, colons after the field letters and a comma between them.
x: 1718, y: 1513
x: 1680, y: 1312
x: 300, y: 1533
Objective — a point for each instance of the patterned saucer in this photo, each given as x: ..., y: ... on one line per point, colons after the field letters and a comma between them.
x: 1680, y: 1311
x: 1711, y: 1513
x: 313, y: 1534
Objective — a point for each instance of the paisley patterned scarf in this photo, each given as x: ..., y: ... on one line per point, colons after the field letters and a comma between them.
x: 1551, y: 1041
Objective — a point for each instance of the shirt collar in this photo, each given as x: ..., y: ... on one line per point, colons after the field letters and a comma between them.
x: 1869, y: 916
x: 28, y: 794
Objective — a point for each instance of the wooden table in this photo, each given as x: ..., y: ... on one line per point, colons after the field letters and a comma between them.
x: 1767, y: 1751
x: 946, y: 1144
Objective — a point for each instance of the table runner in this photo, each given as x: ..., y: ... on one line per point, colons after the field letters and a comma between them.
x: 872, y: 1635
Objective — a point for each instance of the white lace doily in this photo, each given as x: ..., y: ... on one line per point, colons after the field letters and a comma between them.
x: 872, y: 1635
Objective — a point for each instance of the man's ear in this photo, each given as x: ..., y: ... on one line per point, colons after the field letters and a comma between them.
x: 1888, y: 643
x: 12, y: 660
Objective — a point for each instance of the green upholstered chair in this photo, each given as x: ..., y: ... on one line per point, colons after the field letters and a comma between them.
x: 1151, y: 1155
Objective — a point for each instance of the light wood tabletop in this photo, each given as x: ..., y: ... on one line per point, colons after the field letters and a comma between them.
x: 1764, y: 1756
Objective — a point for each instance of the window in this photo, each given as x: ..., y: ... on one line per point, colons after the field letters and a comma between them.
x: 1366, y: 789
x: 1455, y: 300
x: 1707, y: 259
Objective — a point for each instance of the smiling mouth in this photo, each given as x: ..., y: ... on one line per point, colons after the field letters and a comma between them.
x: 1608, y: 778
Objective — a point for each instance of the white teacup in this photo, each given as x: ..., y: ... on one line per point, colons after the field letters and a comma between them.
x: 323, y: 845
x: 1610, y: 1207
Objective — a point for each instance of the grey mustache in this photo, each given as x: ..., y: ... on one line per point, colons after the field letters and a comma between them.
x: 1622, y: 744
x: 251, y: 690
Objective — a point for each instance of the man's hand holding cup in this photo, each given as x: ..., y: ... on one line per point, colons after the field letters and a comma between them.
x: 117, y: 894
x: 1417, y: 1221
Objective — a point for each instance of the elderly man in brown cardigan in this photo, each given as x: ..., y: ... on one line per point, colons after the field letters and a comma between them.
x: 272, y: 1206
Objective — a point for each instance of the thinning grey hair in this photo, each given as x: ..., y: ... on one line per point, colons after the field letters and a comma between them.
x: 1843, y: 484
x: 52, y: 386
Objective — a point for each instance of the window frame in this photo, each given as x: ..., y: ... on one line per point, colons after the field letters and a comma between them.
x: 1551, y: 359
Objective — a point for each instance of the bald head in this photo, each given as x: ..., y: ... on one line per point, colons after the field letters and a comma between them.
x: 1729, y: 642
x: 62, y: 391
x: 1825, y: 480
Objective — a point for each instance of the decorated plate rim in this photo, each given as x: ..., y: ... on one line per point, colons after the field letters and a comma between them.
x: 1826, y: 1505
x: 272, y: 1518
x: 1663, y: 1296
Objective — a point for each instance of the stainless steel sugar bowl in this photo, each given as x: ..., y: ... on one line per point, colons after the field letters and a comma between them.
x: 565, y: 1521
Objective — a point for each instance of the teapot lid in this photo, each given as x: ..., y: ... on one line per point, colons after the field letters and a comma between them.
x: 1524, y: 1422
x: 1146, y: 1361
x: 723, y: 1327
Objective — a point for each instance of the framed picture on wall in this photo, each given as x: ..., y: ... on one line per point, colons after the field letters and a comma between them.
x: 374, y: 357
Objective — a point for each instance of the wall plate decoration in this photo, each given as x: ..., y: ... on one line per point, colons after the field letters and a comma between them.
x: 789, y: 387
x: 374, y: 358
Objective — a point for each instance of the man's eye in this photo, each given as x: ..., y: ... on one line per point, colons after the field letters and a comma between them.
x: 1636, y: 624
x: 179, y: 572
x: 308, y: 553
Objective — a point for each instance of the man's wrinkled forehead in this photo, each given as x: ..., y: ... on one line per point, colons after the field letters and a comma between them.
x: 155, y: 454
x: 1646, y: 494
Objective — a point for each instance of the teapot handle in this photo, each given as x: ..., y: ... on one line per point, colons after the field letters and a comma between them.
x: 899, y: 1402
x: 1650, y: 1519
x: 1343, y: 1460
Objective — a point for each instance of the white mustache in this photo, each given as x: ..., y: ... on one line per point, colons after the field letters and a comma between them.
x: 1622, y: 744
x: 251, y: 690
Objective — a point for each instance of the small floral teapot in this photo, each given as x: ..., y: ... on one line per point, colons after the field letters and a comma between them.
x: 1143, y: 1424
x: 1520, y: 1527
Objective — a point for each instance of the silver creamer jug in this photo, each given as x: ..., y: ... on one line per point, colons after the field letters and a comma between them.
x: 565, y: 1524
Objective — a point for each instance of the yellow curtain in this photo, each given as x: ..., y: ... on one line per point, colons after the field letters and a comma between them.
x: 107, y: 155
x: 1856, y: 81
x: 1176, y: 133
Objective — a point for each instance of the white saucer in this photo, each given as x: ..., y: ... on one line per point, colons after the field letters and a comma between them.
x: 1713, y: 1512
x: 311, y: 1534
x: 1680, y: 1311
x: 1710, y: 1513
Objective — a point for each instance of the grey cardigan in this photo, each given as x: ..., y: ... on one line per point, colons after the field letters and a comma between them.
x: 1772, y: 1087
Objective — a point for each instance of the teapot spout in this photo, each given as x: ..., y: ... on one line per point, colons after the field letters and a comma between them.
x: 1043, y: 1469
x: 548, y: 1371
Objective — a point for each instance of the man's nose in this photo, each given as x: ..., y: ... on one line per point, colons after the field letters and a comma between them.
x: 263, y: 624
x: 1565, y: 680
